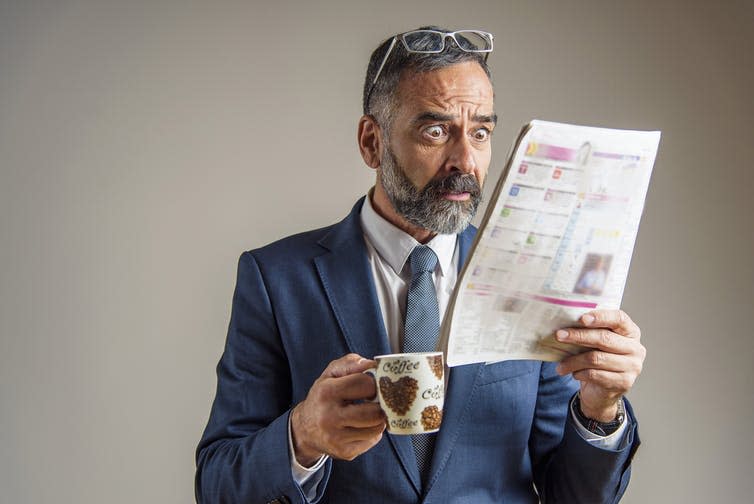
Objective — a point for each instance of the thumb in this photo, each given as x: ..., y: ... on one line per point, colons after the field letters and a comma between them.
x: 349, y: 364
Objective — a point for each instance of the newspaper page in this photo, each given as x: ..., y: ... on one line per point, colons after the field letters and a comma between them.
x: 555, y: 242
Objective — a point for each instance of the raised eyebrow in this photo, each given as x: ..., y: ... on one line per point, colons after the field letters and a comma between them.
x: 433, y: 116
x: 483, y: 118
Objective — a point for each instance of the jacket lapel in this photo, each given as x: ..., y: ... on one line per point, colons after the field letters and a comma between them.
x: 347, y: 280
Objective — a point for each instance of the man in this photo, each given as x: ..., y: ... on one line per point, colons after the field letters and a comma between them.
x: 292, y: 422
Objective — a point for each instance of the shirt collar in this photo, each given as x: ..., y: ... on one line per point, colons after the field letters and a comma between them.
x: 395, y: 245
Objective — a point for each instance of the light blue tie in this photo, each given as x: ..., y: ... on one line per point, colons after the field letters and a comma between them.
x: 421, y: 330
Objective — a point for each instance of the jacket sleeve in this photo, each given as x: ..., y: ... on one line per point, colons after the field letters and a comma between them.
x: 567, y: 468
x: 243, y: 455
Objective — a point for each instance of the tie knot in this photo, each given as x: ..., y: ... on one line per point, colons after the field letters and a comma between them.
x: 422, y: 259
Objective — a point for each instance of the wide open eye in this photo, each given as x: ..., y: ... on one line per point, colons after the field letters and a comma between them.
x: 435, y: 132
x: 482, y: 134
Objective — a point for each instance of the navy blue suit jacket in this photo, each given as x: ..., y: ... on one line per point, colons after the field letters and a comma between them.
x: 308, y: 299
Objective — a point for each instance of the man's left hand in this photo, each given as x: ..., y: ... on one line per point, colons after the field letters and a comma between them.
x: 610, y: 367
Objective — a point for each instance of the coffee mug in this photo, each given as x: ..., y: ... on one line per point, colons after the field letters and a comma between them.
x: 411, y: 391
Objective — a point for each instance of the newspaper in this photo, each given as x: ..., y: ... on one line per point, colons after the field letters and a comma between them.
x: 555, y: 242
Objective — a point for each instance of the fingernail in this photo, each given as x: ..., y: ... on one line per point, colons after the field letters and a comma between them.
x: 587, y: 319
x: 559, y: 369
x: 561, y: 334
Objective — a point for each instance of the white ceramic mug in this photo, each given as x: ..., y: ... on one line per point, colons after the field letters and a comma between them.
x: 411, y: 391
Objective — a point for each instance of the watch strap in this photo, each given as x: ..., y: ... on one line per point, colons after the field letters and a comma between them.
x: 595, y: 426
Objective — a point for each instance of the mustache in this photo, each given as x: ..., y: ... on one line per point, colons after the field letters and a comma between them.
x: 456, y: 182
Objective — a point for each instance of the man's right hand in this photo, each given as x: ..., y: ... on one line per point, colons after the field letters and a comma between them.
x: 336, y: 418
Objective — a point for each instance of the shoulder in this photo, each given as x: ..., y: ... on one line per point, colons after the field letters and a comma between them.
x: 305, y: 244
x: 310, y: 244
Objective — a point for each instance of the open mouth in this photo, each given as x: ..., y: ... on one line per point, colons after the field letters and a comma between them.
x: 457, y: 195
x: 458, y: 187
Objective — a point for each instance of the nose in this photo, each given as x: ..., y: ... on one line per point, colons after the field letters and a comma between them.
x: 461, y: 157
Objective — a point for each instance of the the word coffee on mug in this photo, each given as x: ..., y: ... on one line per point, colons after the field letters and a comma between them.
x: 411, y: 391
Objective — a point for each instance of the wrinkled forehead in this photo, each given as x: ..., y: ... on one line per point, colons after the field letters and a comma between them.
x: 464, y: 84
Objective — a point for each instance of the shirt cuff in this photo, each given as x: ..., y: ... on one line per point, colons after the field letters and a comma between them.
x: 614, y: 441
x: 308, y: 478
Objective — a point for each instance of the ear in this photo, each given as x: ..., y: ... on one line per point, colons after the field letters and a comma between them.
x: 370, y: 141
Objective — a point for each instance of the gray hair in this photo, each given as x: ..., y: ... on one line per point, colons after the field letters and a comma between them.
x: 381, y: 102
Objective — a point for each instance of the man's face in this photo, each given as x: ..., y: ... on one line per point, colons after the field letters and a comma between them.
x: 436, y: 158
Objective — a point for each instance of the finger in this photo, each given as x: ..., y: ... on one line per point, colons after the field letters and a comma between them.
x: 348, y: 364
x: 354, y: 387
x: 348, y: 443
x: 602, y: 339
x: 362, y: 440
x: 616, y: 383
x: 342, y: 436
x: 596, y: 360
x: 354, y: 435
x: 363, y: 416
x: 617, y: 320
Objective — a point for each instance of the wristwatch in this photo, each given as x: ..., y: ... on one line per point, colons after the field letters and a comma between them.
x: 594, y: 426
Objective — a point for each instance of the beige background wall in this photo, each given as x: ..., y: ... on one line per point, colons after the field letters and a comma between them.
x: 145, y: 144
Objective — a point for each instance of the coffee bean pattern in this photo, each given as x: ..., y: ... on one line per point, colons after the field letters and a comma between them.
x: 435, y: 364
x: 431, y: 418
x: 399, y: 395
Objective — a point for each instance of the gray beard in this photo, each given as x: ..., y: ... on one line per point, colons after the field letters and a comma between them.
x: 427, y: 208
